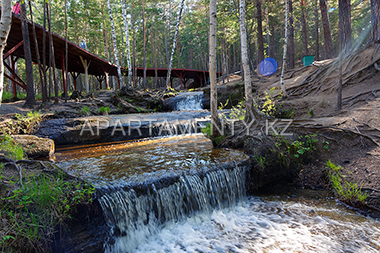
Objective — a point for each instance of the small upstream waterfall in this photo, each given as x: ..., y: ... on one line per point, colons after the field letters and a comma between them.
x: 189, y: 101
x: 136, y: 214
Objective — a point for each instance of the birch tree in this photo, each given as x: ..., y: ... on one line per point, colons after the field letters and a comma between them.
x: 212, y: 70
x: 285, y: 47
x: 114, y: 44
x: 250, y: 111
x: 126, y: 28
x: 5, y: 27
x: 174, y: 46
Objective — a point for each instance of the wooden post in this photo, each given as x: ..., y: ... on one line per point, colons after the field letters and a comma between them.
x: 74, y: 79
x: 63, y: 73
x: 14, y: 62
x: 85, y: 66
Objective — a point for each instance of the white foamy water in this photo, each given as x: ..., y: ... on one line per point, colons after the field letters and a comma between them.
x: 190, y: 101
x: 261, y: 225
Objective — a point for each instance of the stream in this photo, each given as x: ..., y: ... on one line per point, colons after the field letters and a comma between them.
x: 179, y: 194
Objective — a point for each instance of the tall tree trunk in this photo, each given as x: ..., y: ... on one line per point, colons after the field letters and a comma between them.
x: 375, y: 20
x: 52, y: 57
x: 250, y: 112
x: 329, y: 53
x: 144, y: 43
x: 126, y: 28
x: 115, y: 44
x: 134, y: 56
x: 212, y: 70
x: 291, y: 35
x: 66, y: 53
x: 344, y: 41
x: 106, y: 54
x: 316, y: 13
x: 5, y: 27
x: 30, y: 96
x: 269, y: 44
x: 40, y: 70
x: 174, y: 46
x: 45, y: 88
x: 304, y: 27
x: 285, y: 47
x: 167, y: 33
x: 345, y: 30
x: 260, y: 38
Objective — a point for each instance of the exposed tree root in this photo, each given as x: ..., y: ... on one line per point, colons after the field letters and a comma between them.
x: 325, y: 77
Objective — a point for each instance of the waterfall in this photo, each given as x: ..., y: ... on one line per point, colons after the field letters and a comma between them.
x: 185, y: 101
x: 135, y: 214
x: 190, y: 101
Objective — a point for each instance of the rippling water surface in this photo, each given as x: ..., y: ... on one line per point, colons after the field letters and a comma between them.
x: 140, y: 161
x: 267, y: 224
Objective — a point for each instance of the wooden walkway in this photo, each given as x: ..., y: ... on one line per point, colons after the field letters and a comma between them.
x: 78, y: 59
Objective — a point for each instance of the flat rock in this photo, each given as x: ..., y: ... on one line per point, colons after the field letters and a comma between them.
x: 34, y: 146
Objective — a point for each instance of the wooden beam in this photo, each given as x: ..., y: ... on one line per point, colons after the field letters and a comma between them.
x: 86, y: 64
x: 15, y: 76
x: 15, y: 81
x: 5, y: 56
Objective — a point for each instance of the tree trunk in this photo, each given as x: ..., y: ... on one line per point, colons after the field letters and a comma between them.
x: 345, y: 25
x: 304, y: 27
x: 52, y: 56
x: 5, y: 27
x: 167, y: 33
x: 30, y: 96
x: 212, y: 70
x: 291, y: 35
x: 269, y: 44
x: 316, y: 13
x: 126, y: 28
x: 326, y: 30
x: 66, y: 54
x: 174, y: 46
x: 115, y: 44
x: 285, y: 47
x: 260, y: 38
x: 344, y: 41
x: 37, y: 50
x: 375, y: 20
x: 105, y: 35
x: 144, y: 43
x: 45, y: 87
x: 250, y: 112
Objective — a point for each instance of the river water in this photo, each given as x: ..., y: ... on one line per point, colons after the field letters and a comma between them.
x: 204, y: 207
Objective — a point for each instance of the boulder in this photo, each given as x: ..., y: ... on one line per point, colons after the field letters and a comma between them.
x: 34, y: 146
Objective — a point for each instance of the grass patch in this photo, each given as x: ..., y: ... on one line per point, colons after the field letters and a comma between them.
x: 10, y: 148
x: 348, y: 191
x: 104, y: 110
x: 22, y: 123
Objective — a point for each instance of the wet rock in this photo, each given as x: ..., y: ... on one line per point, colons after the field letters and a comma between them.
x: 34, y: 146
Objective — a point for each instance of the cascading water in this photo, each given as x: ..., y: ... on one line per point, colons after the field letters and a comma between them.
x: 178, y: 194
x: 134, y: 217
x: 189, y: 101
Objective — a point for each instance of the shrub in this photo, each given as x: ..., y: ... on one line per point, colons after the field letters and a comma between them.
x: 104, y: 110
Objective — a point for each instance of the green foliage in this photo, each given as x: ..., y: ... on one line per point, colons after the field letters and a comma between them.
x: 41, y: 203
x: 207, y: 131
x: 104, y: 110
x: 269, y: 105
x: 85, y: 110
x: 23, y: 124
x: 347, y: 190
x: 237, y: 112
x: 10, y: 148
x: 7, y: 95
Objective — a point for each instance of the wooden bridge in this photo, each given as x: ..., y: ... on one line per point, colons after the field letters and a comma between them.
x: 79, y: 59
